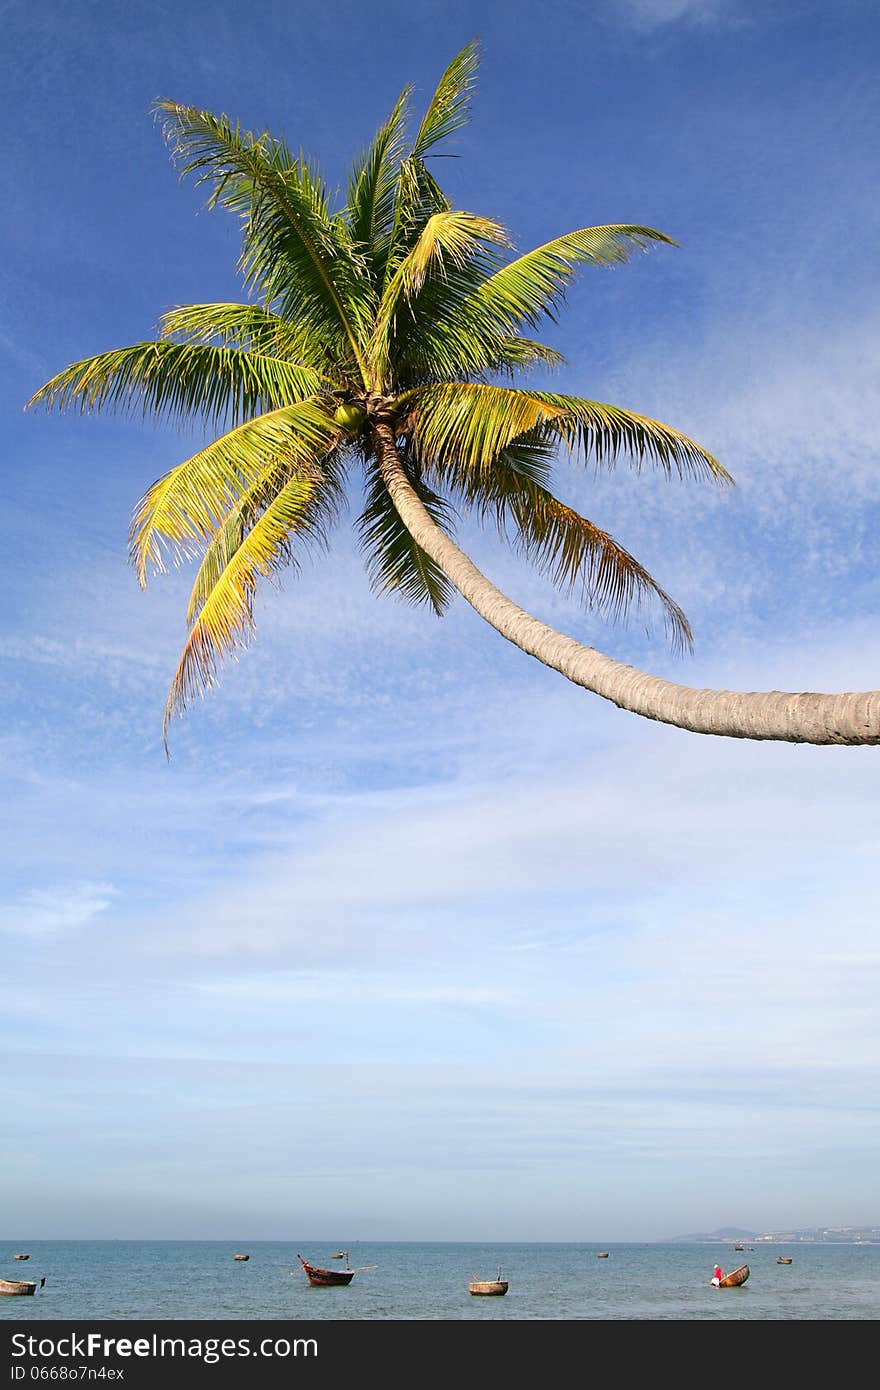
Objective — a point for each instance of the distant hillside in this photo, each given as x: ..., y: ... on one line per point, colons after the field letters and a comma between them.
x: 725, y: 1233
x: 811, y: 1235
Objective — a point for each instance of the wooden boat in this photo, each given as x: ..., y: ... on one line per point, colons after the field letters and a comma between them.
x: 324, y: 1278
x: 241, y: 1257
x: 735, y: 1278
x: 21, y: 1257
x: 737, y: 1247
x: 602, y: 1255
x: 12, y: 1287
x: 783, y: 1259
x: 489, y: 1286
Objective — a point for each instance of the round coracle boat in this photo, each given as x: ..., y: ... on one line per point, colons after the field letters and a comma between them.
x: 489, y: 1287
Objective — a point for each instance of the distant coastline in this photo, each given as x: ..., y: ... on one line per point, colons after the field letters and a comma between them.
x: 811, y: 1235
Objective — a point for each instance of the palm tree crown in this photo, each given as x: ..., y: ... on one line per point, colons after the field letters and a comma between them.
x: 378, y: 326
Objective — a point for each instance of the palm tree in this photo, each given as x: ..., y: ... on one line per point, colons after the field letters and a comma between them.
x: 377, y: 331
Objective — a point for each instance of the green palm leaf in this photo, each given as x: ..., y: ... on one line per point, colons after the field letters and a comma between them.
x: 531, y: 286
x: 294, y: 251
x: 432, y: 341
x: 180, y: 513
x: 513, y: 353
x: 466, y: 425
x: 180, y: 381
x: 249, y: 327
x: 225, y: 618
x: 450, y: 244
x: 372, y: 187
x: 449, y: 107
x: 480, y: 304
x: 605, y: 432
x: 327, y: 502
x: 570, y: 549
x: 395, y: 562
x: 448, y: 241
x: 418, y: 194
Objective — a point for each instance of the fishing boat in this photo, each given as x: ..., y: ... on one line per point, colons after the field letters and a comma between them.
x: 325, y: 1278
x: 737, y: 1247
x: 21, y: 1257
x: 783, y: 1259
x: 241, y: 1257
x: 13, y: 1287
x: 734, y: 1278
x: 489, y: 1286
x: 601, y: 1254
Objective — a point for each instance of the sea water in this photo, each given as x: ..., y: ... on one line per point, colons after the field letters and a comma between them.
x: 160, y: 1280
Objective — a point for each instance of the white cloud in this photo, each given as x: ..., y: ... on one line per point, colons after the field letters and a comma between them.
x: 344, y: 989
x: 654, y: 14
x: 64, y: 908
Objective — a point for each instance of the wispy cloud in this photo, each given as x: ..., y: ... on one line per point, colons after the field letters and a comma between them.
x: 63, y: 908
x: 347, y: 989
x: 655, y: 14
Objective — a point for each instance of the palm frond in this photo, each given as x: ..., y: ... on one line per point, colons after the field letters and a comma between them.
x: 423, y: 346
x: 442, y: 331
x: 179, y: 381
x: 372, y: 184
x: 449, y: 107
x: 225, y: 618
x: 432, y: 341
x: 180, y: 513
x: 462, y: 427
x: 418, y: 195
x: 605, y: 432
x: 466, y: 425
x: 530, y: 287
x: 326, y: 504
x: 569, y: 548
x: 448, y: 240
x: 395, y: 562
x: 450, y: 244
x: 513, y: 353
x: 457, y: 325
x: 294, y: 251
x: 249, y: 327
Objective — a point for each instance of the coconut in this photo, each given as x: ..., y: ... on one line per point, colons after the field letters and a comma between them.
x: 350, y: 416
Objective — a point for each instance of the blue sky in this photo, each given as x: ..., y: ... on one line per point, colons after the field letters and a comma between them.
x: 411, y: 939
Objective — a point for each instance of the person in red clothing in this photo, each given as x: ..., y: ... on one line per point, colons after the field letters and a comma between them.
x: 717, y: 1276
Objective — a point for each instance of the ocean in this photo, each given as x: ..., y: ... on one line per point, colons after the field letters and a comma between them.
x: 200, y: 1280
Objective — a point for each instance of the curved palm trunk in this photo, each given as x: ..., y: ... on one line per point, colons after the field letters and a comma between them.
x: 793, y: 718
